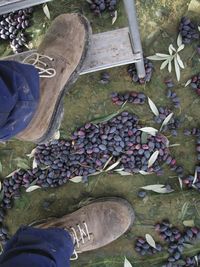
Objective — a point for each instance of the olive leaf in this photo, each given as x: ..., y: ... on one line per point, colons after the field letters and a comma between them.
x: 179, y: 40
x: 153, y: 107
x: 107, y: 162
x: 195, y: 177
x: 0, y: 186
x: 32, y: 188
x: 170, y: 66
x: 177, y: 69
x: 1, y: 194
x: 180, y: 62
x: 173, y: 145
x: 56, y: 136
x: 1, y: 167
x: 105, y: 118
x: 180, y: 182
x: 123, y: 173
x: 46, y: 11
x: 115, y: 17
x: 144, y: 173
x: 155, y: 57
x: 22, y: 163
x: 31, y: 155
x: 188, y: 82
x: 89, y: 1
x: 113, y: 166
x: 127, y: 263
x: 12, y: 173
x: 149, y: 130
x: 150, y: 241
x: 153, y: 158
x: 144, y: 137
x: 158, y: 188
x: 166, y: 120
x: 184, y: 209
x: 196, y: 260
x: 34, y: 164
x: 189, y: 223
x: 164, y: 64
x: 172, y: 56
x: 76, y: 179
x: 162, y: 55
x: 181, y: 48
x: 172, y: 47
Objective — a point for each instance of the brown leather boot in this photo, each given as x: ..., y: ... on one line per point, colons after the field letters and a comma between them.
x: 63, y: 51
x: 96, y: 224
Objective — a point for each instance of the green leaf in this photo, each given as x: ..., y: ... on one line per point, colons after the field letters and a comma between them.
x: 22, y: 163
x: 1, y: 167
x: 105, y: 118
x: 144, y: 137
x: 46, y: 11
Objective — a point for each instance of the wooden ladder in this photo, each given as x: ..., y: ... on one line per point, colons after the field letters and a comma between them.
x: 109, y: 49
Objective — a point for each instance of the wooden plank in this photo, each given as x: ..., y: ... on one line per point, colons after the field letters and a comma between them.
x: 108, y: 50
x: 7, y: 6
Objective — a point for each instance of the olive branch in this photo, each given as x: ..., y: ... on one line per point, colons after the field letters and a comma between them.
x: 172, y: 56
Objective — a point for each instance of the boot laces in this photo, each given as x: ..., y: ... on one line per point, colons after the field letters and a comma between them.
x: 83, y: 232
x: 37, y: 60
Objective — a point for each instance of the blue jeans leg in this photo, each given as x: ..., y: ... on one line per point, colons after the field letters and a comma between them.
x: 34, y: 247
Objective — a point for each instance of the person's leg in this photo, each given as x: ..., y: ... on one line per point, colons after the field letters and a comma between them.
x: 38, y: 248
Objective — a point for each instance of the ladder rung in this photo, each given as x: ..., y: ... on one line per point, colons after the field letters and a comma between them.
x: 110, y: 49
x: 13, y: 5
